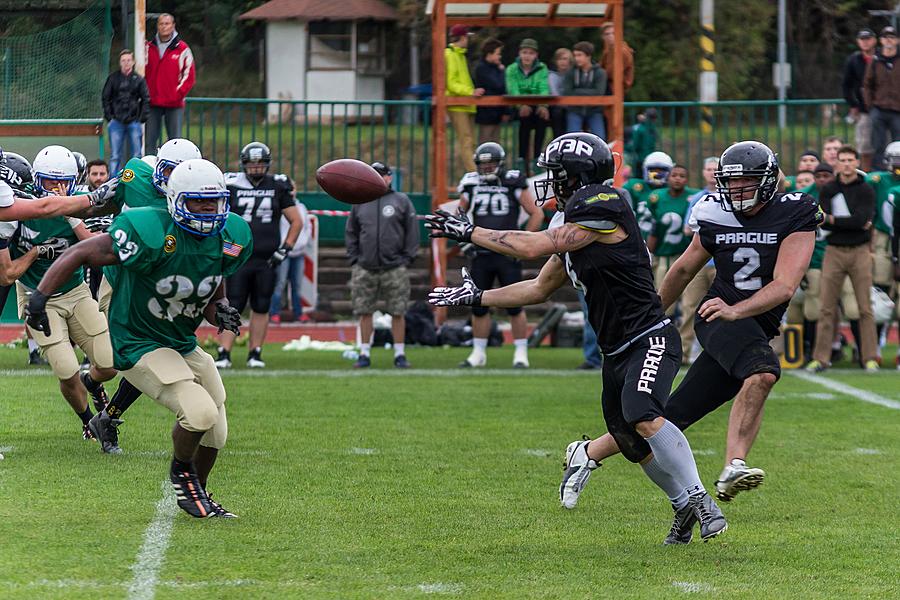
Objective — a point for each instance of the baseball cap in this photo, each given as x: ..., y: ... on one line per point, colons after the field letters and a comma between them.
x: 381, y: 168
x: 528, y: 43
x: 888, y: 32
x: 459, y: 31
x: 823, y: 167
x: 812, y: 153
x: 864, y: 33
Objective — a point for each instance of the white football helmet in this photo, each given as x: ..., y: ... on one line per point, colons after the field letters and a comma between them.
x: 150, y: 159
x: 170, y: 154
x: 54, y: 163
x: 892, y: 158
x: 661, y: 165
x: 197, y: 179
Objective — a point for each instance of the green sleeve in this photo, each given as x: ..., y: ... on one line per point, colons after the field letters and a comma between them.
x: 129, y: 232
x: 512, y: 82
x: 543, y: 82
x: 237, y: 232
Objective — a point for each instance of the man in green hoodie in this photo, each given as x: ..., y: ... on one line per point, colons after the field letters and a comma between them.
x: 459, y: 83
x: 528, y: 77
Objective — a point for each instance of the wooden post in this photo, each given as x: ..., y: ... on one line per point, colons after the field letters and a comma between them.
x: 439, y: 103
x: 140, y: 36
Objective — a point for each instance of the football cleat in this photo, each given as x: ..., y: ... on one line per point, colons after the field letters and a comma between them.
x: 86, y: 433
x: 577, y: 470
x: 254, y: 359
x: 682, y: 526
x: 872, y: 366
x: 191, y: 496
x: 815, y: 366
x: 520, y: 359
x: 475, y: 359
x: 106, y: 430
x: 712, y: 521
x: 737, y: 477
x: 35, y: 359
x: 400, y: 362
x: 223, y: 361
x: 363, y: 362
x: 219, y: 510
x: 98, y: 393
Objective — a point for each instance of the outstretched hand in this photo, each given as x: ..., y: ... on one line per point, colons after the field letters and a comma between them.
x: 447, y: 225
x: 468, y: 294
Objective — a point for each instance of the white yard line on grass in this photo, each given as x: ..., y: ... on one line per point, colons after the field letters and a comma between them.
x: 849, y: 390
x: 150, y: 558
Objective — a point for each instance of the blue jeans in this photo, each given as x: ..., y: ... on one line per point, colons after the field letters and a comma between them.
x: 595, y: 123
x: 885, y: 129
x: 291, y: 269
x: 173, y: 118
x: 117, y: 133
x: 589, y: 340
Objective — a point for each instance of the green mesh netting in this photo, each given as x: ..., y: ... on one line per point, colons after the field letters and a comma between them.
x: 58, y: 73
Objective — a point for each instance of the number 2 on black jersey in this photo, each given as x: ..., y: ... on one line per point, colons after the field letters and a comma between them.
x: 742, y: 278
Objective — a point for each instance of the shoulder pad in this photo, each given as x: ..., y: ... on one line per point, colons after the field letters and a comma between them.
x: 469, y: 179
x: 230, y: 176
x: 236, y: 229
x: 596, y: 207
x: 7, y: 198
x: 654, y: 198
x: 281, y: 178
x: 637, y: 186
x: 149, y: 223
x: 515, y: 177
x: 874, y: 177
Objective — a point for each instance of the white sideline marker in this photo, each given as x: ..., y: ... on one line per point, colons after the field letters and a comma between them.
x: 152, y: 553
x: 689, y: 587
x: 865, y: 396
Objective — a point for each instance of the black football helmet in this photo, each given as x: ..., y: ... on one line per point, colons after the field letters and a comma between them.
x: 81, y: 161
x: 747, y: 160
x: 256, y: 153
x: 489, y: 158
x: 20, y: 165
x: 572, y: 161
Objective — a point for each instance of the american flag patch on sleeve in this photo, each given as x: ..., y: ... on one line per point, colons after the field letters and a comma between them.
x: 231, y: 249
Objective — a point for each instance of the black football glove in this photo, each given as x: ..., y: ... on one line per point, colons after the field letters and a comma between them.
x: 103, y: 194
x: 455, y: 227
x: 36, y: 313
x: 98, y: 224
x: 279, y: 255
x: 10, y: 176
x: 228, y: 317
x: 468, y: 294
x: 53, y: 249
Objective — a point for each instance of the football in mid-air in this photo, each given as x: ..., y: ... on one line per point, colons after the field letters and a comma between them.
x: 351, y: 181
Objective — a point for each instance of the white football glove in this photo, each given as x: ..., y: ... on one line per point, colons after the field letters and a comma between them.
x: 468, y: 294
x: 455, y: 227
x: 98, y: 224
x: 53, y: 248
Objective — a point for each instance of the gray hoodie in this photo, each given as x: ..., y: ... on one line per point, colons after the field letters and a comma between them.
x: 383, y: 234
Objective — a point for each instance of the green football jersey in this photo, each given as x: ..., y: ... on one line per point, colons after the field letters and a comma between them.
x: 668, y: 213
x: 135, y: 189
x: 882, y: 182
x: 165, y: 279
x: 639, y: 191
x: 790, y: 183
x: 818, y: 254
x: 45, y: 231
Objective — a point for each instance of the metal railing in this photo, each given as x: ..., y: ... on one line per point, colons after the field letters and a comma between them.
x: 306, y: 134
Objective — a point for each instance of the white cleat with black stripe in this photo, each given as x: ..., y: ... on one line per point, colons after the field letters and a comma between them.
x: 737, y: 477
x: 577, y: 470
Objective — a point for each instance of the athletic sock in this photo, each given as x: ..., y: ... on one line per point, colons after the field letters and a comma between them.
x: 673, y: 452
x: 125, y: 396
x: 86, y: 415
x: 32, y: 346
x: 399, y: 350
x: 89, y: 382
x: 521, y: 345
x: 255, y: 353
x: 479, y: 345
x: 178, y: 465
x: 365, y: 349
x: 667, y: 483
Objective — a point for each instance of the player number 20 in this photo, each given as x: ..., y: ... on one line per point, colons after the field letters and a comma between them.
x: 742, y: 278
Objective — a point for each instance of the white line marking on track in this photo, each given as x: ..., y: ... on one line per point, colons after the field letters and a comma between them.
x: 692, y: 588
x: 152, y: 553
x: 868, y: 451
x: 364, y: 451
x: 849, y: 390
x: 440, y: 588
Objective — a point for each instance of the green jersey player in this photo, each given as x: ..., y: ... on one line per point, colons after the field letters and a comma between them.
x: 656, y: 169
x: 169, y: 271
x: 882, y: 182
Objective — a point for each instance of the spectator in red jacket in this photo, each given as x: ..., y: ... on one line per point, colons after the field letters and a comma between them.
x: 170, y: 76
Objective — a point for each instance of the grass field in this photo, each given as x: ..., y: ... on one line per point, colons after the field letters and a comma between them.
x: 391, y: 484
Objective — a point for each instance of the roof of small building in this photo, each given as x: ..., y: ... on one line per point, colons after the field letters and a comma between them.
x: 314, y: 10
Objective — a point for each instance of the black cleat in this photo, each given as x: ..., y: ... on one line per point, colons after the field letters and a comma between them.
x: 86, y: 433
x: 400, y: 362
x: 363, y: 362
x: 683, y: 526
x: 191, y: 496
x: 712, y: 521
x: 98, y: 393
x: 105, y: 429
x: 35, y: 359
x: 219, y: 511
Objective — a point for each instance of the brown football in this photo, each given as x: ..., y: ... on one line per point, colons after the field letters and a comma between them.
x: 351, y: 181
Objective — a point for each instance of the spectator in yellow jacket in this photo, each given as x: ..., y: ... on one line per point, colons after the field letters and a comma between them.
x: 459, y: 83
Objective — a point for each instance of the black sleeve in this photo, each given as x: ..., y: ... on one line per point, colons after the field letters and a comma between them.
x: 283, y: 194
x: 850, y: 85
x: 107, y: 98
x: 351, y: 235
x: 479, y: 79
x: 807, y: 215
x: 145, y: 100
x: 598, y: 208
x: 862, y: 212
x: 411, y: 233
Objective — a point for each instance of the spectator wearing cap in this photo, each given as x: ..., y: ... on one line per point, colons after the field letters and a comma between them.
x: 382, y: 240
x: 807, y: 163
x: 854, y: 74
x: 562, y: 63
x: 586, y: 79
x: 528, y: 76
x: 459, y: 83
x: 881, y: 91
x: 489, y: 76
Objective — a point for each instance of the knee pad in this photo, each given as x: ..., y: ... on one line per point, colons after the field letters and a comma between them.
x: 197, y: 410
x: 216, y: 436
x: 633, y: 447
x: 756, y: 359
x: 480, y: 311
x: 259, y: 303
x: 62, y: 359
x: 513, y: 311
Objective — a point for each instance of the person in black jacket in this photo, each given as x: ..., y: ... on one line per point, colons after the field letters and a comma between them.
x: 849, y: 206
x: 126, y: 106
x: 489, y: 74
x: 586, y: 78
x: 854, y: 73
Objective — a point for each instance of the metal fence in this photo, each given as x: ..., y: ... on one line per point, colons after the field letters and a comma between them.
x: 306, y: 134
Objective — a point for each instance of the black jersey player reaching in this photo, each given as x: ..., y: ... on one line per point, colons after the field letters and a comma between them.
x: 491, y: 197
x: 261, y: 199
x: 761, y: 242
x: 597, y: 245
